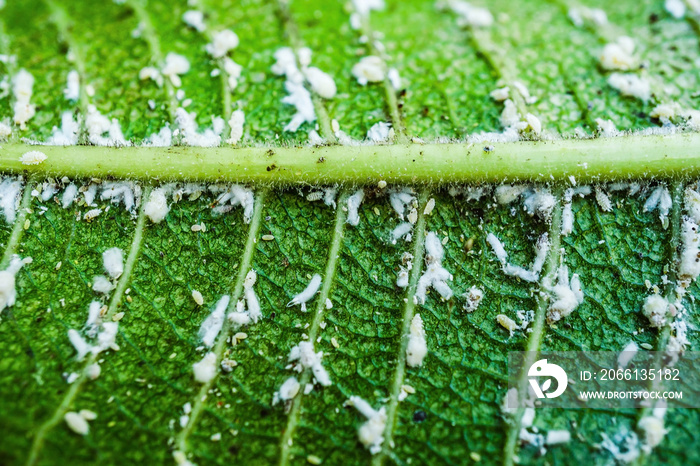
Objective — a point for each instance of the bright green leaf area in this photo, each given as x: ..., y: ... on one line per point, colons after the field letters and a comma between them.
x: 454, y: 416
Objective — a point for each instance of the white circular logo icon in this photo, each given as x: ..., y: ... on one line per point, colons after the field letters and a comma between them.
x: 542, y: 368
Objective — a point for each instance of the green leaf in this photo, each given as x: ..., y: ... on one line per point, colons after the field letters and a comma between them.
x: 149, y: 407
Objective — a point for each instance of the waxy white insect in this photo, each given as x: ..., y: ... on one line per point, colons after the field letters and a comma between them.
x: 417, y: 348
x: 307, y: 294
x: 205, y: 370
x: 371, y: 433
x: 214, y: 322
x: 113, y: 261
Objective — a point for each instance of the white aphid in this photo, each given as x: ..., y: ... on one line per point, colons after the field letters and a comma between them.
x: 625, y: 439
x: 607, y: 128
x: 120, y: 191
x: 567, y: 218
x: 198, y: 298
x: 72, y: 90
x: 353, y: 203
x: 233, y: 70
x: 379, y: 132
x: 10, y: 190
x: 194, y: 19
x: 5, y: 131
x: 534, y: 123
x: 474, y: 297
x: 417, y: 348
x: 578, y: 14
x: 469, y: 15
x: 631, y: 85
x: 510, y: 117
x: 675, y: 7
x: 371, y: 433
x: 369, y: 69
x: 152, y: 73
x: 33, y: 157
x: 321, y: 82
x: 240, y: 316
x: 79, y: 343
x: 507, y: 323
x: 500, y: 94
x: 655, y: 308
x: 24, y: 110
x: 77, y: 423
x: 175, y: 65
x: 627, y: 354
x: 505, y: 194
x: 113, y: 261
x: 222, y: 42
x: 210, y: 137
x: 603, y: 200
x: 497, y: 247
x: 205, y: 369
x: 287, y: 390
x: 429, y: 206
x: 564, y: 299
x: 101, y: 284
x: 214, y: 322
x: 659, y: 199
x: 236, y: 124
x: 689, y: 267
x: 666, y: 111
x: 653, y: 427
x: 402, y: 229
x: 106, y: 339
x: 556, y: 437
x: 251, y: 298
x: 92, y: 214
x: 156, y: 207
x: 401, y: 201
x: 540, y: 202
x: 394, y: 79
x: 307, y: 294
x: 618, y: 55
x: 237, y: 195
x: 402, y: 278
x: 69, y: 195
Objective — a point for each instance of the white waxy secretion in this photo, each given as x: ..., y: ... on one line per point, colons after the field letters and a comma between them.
x: 236, y: 124
x: 195, y: 20
x: 22, y: 84
x: 287, y: 390
x: 222, y: 42
x: 72, y: 90
x: 175, y: 65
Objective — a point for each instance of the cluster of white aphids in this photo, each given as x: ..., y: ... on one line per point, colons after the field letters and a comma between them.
x: 298, y: 95
x: 537, y: 201
x: 8, y: 293
x: 113, y: 260
x: 127, y: 193
x: 307, y: 294
x: 371, y: 433
x: 190, y: 133
x: 235, y: 195
x: 222, y: 44
x: 405, y: 205
x: 416, y: 347
x: 302, y: 357
x: 529, y: 275
x: 566, y: 295
x: 660, y: 199
x: 435, y: 275
x: 327, y: 195
x: 104, y: 333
